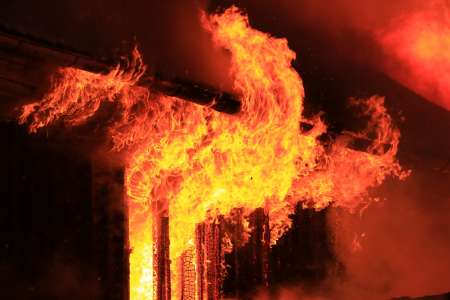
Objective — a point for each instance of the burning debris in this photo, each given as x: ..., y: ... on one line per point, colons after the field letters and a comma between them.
x: 187, y: 167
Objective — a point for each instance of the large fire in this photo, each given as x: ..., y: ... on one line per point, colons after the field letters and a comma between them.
x: 191, y: 163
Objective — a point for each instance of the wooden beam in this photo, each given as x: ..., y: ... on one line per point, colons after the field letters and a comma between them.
x: 27, y: 59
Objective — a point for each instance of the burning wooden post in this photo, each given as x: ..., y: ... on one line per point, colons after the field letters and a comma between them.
x: 235, y: 232
x: 209, y: 259
x: 248, y: 260
x: 238, y: 242
x: 305, y: 252
x: 260, y: 247
x: 161, y: 260
x: 200, y: 267
x: 187, y: 269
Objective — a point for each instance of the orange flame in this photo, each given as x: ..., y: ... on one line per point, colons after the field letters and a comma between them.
x: 196, y: 162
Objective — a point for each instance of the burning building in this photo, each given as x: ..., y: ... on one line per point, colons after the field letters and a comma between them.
x: 198, y: 191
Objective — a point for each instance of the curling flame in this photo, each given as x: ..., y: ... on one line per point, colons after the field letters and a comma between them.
x: 197, y: 163
x: 76, y: 95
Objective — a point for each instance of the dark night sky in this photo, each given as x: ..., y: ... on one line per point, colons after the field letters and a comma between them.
x: 407, y: 237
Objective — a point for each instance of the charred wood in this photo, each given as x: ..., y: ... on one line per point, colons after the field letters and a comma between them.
x: 25, y: 60
x: 110, y: 231
x: 188, y: 275
x: 161, y: 253
x: 260, y: 247
x: 304, y: 254
x: 208, y: 244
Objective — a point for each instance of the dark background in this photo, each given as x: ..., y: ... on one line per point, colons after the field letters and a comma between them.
x: 47, y: 238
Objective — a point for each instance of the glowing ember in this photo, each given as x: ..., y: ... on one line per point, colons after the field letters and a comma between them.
x: 194, y: 162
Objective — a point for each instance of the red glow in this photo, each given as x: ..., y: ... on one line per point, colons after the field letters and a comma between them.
x: 417, y: 47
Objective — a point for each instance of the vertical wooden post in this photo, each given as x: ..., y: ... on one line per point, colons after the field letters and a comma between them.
x: 260, y: 247
x: 199, y: 246
x: 235, y: 230
x: 188, y: 275
x: 209, y: 259
x: 249, y: 259
x: 213, y: 258
x: 161, y: 252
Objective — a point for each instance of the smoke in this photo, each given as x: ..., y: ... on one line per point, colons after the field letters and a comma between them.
x: 168, y: 34
x: 58, y: 278
x: 407, y: 40
x: 417, y: 51
x: 394, y: 248
x: 66, y: 279
x: 399, y: 246
x: 348, y: 14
